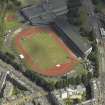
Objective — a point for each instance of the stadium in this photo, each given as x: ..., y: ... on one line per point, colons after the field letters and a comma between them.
x: 50, y: 45
x: 44, y: 52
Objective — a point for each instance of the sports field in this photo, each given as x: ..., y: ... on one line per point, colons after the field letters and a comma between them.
x: 44, y: 52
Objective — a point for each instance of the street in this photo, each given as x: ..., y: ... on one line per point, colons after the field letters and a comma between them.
x: 99, y: 92
x: 101, y: 83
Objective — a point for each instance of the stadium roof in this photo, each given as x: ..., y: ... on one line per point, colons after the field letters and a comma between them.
x: 63, y: 24
x: 46, y: 11
x: 56, y: 5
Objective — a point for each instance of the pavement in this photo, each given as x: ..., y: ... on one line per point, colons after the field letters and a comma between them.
x: 99, y: 90
x: 101, y: 79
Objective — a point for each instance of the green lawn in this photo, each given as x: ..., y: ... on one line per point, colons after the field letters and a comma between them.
x: 12, y: 24
x: 45, y: 51
x: 8, y: 25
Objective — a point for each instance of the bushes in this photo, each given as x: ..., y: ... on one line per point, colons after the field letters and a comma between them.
x: 10, y: 59
x: 95, y: 2
x: 94, y: 58
x: 73, y: 14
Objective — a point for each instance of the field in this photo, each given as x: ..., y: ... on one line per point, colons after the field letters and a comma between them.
x: 44, y: 52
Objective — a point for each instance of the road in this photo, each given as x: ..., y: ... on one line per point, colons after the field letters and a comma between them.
x: 99, y: 92
x: 101, y: 79
x: 3, y: 79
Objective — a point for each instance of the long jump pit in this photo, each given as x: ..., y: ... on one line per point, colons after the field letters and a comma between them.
x: 44, y: 52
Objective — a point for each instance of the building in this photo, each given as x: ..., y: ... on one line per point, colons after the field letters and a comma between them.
x: 54, y: 12
x: 72, y: 37
x: 102, y: 31
x: 44, y: 12
x: 72, y: 92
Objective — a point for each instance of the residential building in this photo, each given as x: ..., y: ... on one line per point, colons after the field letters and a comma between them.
x: 72, y: 92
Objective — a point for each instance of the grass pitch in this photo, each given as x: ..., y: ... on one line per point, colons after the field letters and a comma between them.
x: 45, y: 51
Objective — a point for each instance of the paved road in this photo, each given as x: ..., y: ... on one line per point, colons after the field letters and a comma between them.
x: 99, y: 93
x: 3, y: 79
x: 101, y: 82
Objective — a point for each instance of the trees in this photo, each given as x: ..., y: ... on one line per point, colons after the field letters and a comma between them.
x: 6, y: 5
x: 95, y: 1
x: 73, y: 14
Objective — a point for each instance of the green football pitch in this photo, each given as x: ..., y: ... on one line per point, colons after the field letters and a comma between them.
x: 45, y: 51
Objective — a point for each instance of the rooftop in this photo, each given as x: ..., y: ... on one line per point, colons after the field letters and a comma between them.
x: 72, y: 33
x: 46, y: 11
x: 70, y: 91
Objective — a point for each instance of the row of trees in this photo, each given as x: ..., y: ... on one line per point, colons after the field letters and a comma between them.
x: 93, y: 55
x: 39, y: 80
x: 61, y: 83
x: 97, y: 1
x: 74, y: 13
x: 94, y: 58
x: 10, y: 59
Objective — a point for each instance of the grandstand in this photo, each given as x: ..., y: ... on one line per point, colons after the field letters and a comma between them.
x: 54, y: 11
x: 44, y: 12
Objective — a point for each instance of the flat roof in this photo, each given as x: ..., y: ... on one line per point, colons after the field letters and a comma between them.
x: 32, y: 11
x: 53, y: 7
x: 57, y: 4
x: 73, y: 34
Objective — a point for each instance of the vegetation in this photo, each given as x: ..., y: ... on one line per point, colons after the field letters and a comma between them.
x: 45, y: 52
x: 28, y: 2
x: 68, y: 101
x: 11, y: 21
x: 83, y: 15
x: 74, y: 13
x: 94, y: 58
x: 10, y: 59
x: 100, y: 5
x: 60, y: 83
x: 16, y: 91
x: 5, y: 5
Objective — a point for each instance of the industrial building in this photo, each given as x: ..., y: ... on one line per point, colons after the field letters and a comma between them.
x: 53, y: 12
